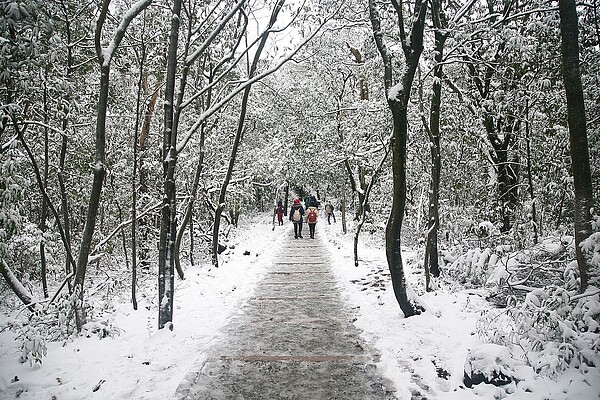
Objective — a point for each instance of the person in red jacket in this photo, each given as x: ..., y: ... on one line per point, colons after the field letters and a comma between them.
x: 312, y: 215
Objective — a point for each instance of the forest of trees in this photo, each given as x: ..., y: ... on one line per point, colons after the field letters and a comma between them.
x: 134, y: 135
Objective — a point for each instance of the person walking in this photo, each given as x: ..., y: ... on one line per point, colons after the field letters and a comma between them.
x: 312, y: 215
x: 329, y: 212
x: 279, y: 211
x: 296, y: 216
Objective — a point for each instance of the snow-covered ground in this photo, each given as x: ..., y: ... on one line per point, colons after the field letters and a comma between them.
x: 424, y: 354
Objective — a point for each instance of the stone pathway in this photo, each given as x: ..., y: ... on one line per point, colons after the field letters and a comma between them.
x: 294, y: 339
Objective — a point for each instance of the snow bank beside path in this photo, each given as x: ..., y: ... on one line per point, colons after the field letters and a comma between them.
x: 423, y: 355
x: 143, y: 363
x: 426, y: 354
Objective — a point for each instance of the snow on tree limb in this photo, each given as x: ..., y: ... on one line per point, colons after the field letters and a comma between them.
x: 14, y: 283
x: 217, y: 106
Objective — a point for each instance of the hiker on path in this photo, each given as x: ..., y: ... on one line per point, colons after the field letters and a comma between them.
x: 296, y: 216
x: 312, y: 215
x: 329, y: 211
x: 279, y: 211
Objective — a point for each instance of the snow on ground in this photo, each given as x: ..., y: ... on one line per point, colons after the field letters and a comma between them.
x: 426, y: 354
x: 423, y: 354
x: 142, y: 362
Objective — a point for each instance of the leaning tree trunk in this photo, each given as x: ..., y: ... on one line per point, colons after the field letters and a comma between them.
x: 15, y: 284
x: 365, y: 201
x: 104, y: 58
x: 580, y: 161
x: 238, y: 137
x: 398, y: 97
x: 99, y: 171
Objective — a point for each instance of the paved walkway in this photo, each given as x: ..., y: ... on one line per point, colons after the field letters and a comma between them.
x: 294, y: 339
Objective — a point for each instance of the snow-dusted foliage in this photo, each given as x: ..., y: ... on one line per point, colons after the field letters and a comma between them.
x: 542, y: 316
x: 591, y: 248
x: 43, y: 325
x: 12, y: 188
x: 555, y: 328
x: 546, y: 318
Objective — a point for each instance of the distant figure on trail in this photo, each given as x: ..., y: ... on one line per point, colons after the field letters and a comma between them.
x: 312, y: 215
x: 329, y: 211
x: 296, y: 216
x: 279, y: 211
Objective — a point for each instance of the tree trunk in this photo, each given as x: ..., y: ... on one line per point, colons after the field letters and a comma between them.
x: 367, y: 192
x: 104, y: 58
x: 134, y: 173
x: 580, y: 162
x: 168, y: 226
x: 190, y: 206
x: 431, y: 261
x: 398, y: 97
x: 285, y: 200
x: 99, y: 171
x: 15, y: 284
x: 142, y: 142
x: 507, y: 176
x: 64, y: 200
x: 534, y: 220
x: 343, y: 211
x: 44, y: 208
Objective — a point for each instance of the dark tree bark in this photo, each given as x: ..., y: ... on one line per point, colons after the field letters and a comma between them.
x: 15, y: 284
x: 99, y: 168
x: 168, y: 226
x: 530, y: 177
x: 431, y: 261
x: 187, y: 219
x: 142, y: 86
x: 142, y: 145
x: 44, y: 208
x: 580, y: 161
x: 343, y: 211
x: 190, y: 206
x: 285, y: 200
x: 64, y: 200
x: 398, y: 96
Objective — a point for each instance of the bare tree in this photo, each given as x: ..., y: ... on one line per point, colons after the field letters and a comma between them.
x: 104, y: 57
x: 398, y: 95
x: 580, y: 161
x: 239, y: 133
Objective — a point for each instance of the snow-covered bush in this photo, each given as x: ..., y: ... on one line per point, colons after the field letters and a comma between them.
x: 556, y: 328
x: 591, y: 247
x: 472, y: 266
x: 54, y: 322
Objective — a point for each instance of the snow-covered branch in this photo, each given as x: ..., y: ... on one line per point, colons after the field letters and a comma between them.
x: 217, y: 106
x: 121, y: 226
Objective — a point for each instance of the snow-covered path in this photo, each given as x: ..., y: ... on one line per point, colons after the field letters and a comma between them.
x: 293, y: 339
x: 424, y: 354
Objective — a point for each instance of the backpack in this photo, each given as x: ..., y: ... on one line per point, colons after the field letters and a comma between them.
x: 296, y: 216
x: 312, y: 216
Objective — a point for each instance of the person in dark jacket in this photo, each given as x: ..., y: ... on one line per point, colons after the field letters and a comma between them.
x: 296, y: 216
x: 329, y: 211
x: 279, y: 211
